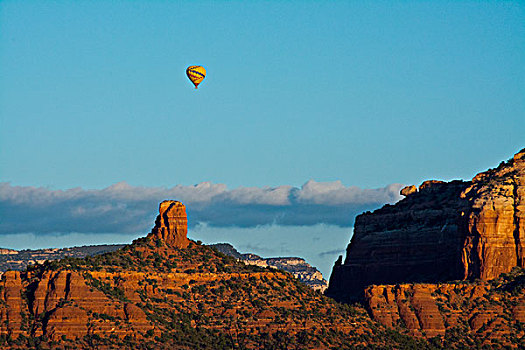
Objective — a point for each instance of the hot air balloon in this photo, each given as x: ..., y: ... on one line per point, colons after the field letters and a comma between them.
x: 196, y: 74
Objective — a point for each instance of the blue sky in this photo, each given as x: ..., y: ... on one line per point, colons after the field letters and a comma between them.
x: 94, y: 93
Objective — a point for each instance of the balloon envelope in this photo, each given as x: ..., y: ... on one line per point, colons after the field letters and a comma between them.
x: 196, y: 74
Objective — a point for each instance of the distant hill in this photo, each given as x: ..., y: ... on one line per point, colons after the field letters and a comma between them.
x: 18, y: 260
x: 296, y: 266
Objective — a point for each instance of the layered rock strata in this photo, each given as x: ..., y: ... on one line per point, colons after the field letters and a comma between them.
x: 442, y: 231
x: 171, y: 225
x: 491, y: 310
x: 83, y: 302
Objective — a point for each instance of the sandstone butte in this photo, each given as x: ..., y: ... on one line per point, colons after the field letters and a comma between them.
x: 165, y: 291
x: 469, y: 232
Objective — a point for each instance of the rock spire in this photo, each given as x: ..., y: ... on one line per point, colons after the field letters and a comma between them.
x: 171, y: 225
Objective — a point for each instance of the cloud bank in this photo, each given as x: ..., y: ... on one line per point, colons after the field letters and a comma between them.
x: 122, y: 208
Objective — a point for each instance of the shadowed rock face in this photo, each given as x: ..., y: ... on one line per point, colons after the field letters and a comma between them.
x: 442, y: 231
x: 171, y: 225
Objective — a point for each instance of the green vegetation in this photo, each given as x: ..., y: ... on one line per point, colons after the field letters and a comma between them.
x: 198, y: 298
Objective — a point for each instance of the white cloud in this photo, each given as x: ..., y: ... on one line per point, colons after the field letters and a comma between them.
x: 121, y: 208
x: 335, y: 193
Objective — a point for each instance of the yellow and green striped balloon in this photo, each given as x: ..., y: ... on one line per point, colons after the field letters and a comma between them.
x: 196, y: 74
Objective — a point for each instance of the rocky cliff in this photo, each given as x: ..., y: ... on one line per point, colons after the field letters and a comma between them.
x: 298, y: 267
x: 441, y: 231
x: 477, y: 313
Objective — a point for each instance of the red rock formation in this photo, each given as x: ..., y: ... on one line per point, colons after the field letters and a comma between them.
x: 410, y: 305
x: 408, y: 190
x: 484, y: 310
x: 13, y: 305
x: 153, y: 294
x: 66, y: 306
x: 171, y: 225
x: 495, y: 239
x: 444, y: 231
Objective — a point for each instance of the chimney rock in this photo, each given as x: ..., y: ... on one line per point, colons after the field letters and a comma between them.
x: 171, y: 225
